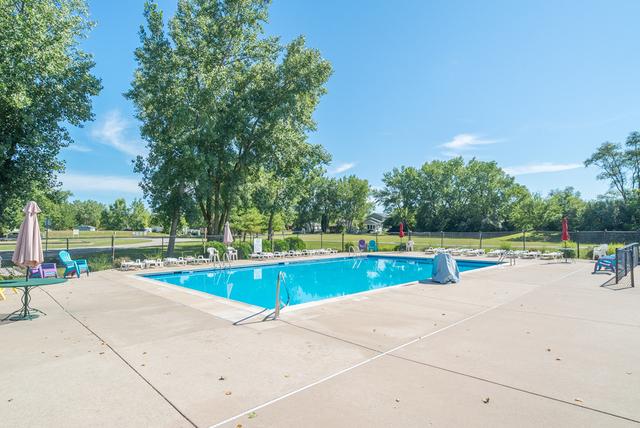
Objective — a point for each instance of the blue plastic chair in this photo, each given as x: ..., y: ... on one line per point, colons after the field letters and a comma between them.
x: 372, y: 246
x: 74, y: 267
x: 605, y: 263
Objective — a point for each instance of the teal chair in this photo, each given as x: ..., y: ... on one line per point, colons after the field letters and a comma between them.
x: 372, y: 246
x: 73, y: 267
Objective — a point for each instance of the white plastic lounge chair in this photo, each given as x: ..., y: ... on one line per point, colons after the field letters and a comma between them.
x: 600, y: 251
x: 279, y: 254
x: 496, y: 253
x: 555, y: 255
x: 126, y: 265
x: 175, y: 261
x: 153, y: 263
x: 214, y: 255
x: 232, y: 253
x: 530, y: 255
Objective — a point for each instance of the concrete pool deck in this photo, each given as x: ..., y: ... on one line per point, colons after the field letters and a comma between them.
x: 536, y: 344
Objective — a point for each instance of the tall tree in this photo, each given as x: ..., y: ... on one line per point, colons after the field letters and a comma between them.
x: 283, y: 178
x: 234, y: 94
x: 88, y: 212
x: 612, y: 162
x: 167, y: 170
x: 353, y: 201
x: 45, y: 83
x: 451, y: 195
x: 116, y: 216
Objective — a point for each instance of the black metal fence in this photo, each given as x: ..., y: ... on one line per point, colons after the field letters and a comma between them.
x: 109, y: 248
x: 626, y: 262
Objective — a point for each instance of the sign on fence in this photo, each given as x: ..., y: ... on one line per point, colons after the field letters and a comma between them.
x: 257, y: 245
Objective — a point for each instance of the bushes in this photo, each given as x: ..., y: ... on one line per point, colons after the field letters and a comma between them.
x: 280, y: 245
x: 218, y: 246
x: 568, y: 253
x: 295, y: 243
x: 244, y: 249
x: 349, y: 244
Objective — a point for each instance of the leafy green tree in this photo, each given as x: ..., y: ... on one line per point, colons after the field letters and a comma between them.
x: 563, y: 203
x: 247, y: 221
x: 167, y: 169
x: 353, y: 201
x: 400, y: 195
x: 116, y: 216
x: 139, y: 216
x: 451, y: 195
x: 45, y: 84
x: 612, y: 162
x: 228, y: 96
x: 55, y: 206
x: 283, y: 179
x: 88, y: 212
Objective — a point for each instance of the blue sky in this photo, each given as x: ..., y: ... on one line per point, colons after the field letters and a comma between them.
x: 535, y: 86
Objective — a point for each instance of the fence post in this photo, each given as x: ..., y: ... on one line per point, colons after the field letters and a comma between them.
x: 442, y: 239
x: 577, y: 244
x: 321, y: 234
x: 524, y: 240
x: 113, y: 248
x: 343, y: 241
x: 162, y: 247
x: 46, y: 240
x: 67, y: 244
x: 481, y: 240
x: 377, y: 246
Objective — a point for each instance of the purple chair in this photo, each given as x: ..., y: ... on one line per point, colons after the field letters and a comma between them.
x: 45, y: 270
x: 362, y: 245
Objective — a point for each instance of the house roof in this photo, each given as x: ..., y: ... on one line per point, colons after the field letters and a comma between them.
x: 375, y: 219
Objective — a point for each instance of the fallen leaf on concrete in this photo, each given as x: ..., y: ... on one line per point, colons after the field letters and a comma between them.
x: 227, y: 393
x: 10, y: 400
x: 221, y: 378
x: 239, y: 426
x: 397, y: 400
x: 252, y: 415
x: 548, y: 349
x: 577, y: 400
x: 558, y: 359
x: 486, y: 400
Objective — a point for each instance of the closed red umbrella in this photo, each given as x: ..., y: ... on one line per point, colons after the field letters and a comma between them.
x: 565, y: 229
x: 401, y: 234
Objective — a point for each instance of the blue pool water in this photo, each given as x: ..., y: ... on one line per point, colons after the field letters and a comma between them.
x: 307, y: 281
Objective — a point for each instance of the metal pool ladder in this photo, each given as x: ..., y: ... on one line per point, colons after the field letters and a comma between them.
x: 281, y: 279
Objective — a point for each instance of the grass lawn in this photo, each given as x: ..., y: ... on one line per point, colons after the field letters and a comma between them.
x: 83, y: 242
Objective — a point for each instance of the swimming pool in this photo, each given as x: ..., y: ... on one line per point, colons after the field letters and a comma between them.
x: 309, y: 280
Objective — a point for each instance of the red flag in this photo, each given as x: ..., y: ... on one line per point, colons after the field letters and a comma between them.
x: 565, y: 229
x: 401, y: 234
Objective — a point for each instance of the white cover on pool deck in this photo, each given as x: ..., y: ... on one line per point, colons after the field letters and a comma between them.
x: 445, y: 269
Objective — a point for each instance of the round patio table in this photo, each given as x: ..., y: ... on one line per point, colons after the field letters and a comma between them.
x: 26, y: 312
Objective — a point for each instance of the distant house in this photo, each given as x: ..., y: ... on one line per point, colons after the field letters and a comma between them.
x: 374, y: 222
x: 86, y: 228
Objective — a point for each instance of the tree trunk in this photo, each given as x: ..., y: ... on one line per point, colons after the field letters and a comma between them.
x: 270, y: 225
x: 172, y: 232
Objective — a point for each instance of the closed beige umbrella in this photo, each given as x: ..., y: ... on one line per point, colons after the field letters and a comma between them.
x: 28, y: 251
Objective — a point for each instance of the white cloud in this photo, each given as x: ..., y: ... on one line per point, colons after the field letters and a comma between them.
x: 100, y: 183
x: 541, y: 168
x: 343, y: 167
x: 79, y: 148
x: 467, y: 141
x: 112, y: 131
